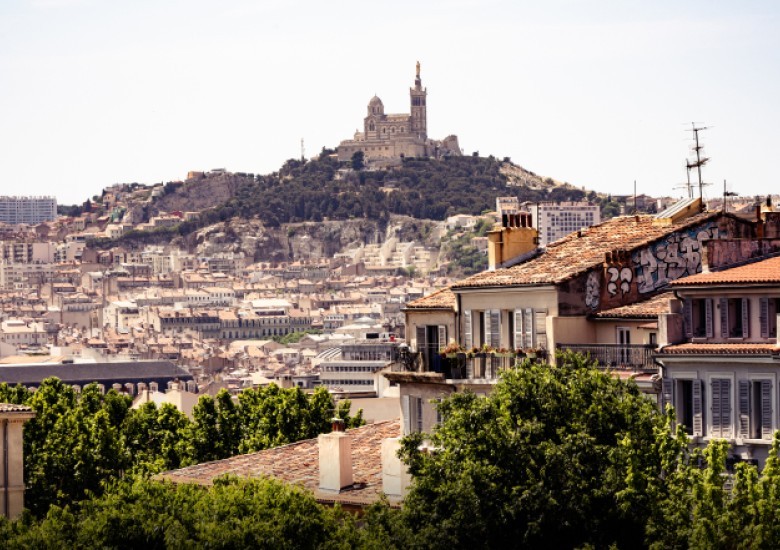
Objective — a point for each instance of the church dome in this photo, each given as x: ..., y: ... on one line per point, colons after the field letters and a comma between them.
x: 375, y: 106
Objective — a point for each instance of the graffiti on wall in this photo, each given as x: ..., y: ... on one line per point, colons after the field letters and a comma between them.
x: 619, y: 280
x: 629, y: 275
x: 678, y: 255
x: 593, y: 289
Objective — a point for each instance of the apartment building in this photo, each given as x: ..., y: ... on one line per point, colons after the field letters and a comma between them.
x: 555, y: 220
x: 28, y: 210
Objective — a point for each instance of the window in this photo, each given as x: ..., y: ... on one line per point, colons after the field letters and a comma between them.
x: 411, y: 408
x: 755, y: 409
x: 734, y: 318
x: 530, y: 328
x: 698, y: 318
x: 688, y: 400
x: 720, y: 396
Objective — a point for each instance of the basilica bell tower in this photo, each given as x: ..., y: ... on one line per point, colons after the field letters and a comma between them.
x: 419, y: 116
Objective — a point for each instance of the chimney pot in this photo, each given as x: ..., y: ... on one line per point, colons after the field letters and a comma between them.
x: 337, y: 424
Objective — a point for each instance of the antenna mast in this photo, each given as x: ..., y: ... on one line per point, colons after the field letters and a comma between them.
x: 303, y: 152
x: 699, y: 162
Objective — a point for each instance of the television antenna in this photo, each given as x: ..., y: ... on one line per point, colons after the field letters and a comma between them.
x: 700, y: 160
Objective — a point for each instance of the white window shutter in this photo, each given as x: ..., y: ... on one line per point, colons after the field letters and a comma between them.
x: 709, y: 324
x: 540, y: 328
x: 518, y: 328
x: 763, y: 316
x: 468, y: 339
x: 493, y: 328
x: 442, y: 336
x: 743, y: 424
x: 724, y: 318
x: 528, y: 328
x: 420, y: 335
x: 745, y: 318
x: 716, y: 408
x: 406, y: 412
x: 688, y: 317
x: 418, y: 414
x: 698, y: 415
x: 766, y: 409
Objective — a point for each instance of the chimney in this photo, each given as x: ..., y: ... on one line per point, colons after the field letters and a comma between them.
x: 514, y: 239
x: 335, y: 454
x: 395, y: 475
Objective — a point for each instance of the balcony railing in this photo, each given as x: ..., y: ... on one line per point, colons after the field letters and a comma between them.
x: 460, y: 366
x: 617, y: 356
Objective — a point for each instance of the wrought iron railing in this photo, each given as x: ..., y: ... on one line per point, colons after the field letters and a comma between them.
x: 617, y: 356
x: 462, y: 366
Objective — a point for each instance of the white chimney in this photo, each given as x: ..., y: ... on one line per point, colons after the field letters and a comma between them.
x: 395, y: 475
x: 335, y: 451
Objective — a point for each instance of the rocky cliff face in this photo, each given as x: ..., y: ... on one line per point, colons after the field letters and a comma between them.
x: 294, y: 241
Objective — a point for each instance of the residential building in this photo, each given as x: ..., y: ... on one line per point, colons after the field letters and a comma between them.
x: 28, y: 210
x: 555, y: 220
x: 719, y: 348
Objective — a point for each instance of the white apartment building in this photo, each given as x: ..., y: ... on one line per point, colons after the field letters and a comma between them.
x: 556, y: 220
x: 29, y: 210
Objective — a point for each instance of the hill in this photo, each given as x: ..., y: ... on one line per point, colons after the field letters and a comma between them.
x: 325, y: 189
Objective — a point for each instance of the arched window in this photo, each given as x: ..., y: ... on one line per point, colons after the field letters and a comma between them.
x: 371, y: 126
x: 392, y: 129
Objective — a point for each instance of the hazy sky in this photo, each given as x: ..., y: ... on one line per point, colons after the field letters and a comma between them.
x: 597, y: 93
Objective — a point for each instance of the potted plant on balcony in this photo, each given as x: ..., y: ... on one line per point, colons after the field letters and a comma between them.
x: 503, y: 352
x: 532, y: 353
x: 451, y: 350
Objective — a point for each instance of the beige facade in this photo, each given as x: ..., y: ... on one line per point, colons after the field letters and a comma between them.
x: 12, y: 420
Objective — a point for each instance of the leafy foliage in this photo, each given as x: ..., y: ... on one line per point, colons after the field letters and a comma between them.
x: 147, y: 514
x: 79, y: 441
x: 541, y: 462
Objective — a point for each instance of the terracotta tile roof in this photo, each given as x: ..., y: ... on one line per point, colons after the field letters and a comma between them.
x: 298, y: 463
x: 441, y: 299
x: 764, y: 271
x: 573, y: 255
x: 721, y: 349
x: 648, y: 309
x: 10, y: 408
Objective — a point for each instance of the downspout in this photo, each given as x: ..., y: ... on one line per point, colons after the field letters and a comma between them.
x: 5, y: 468
x: 457, y: 319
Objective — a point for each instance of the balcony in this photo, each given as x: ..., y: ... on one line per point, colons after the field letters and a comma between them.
x: 636, y: 357
x: 461, y: 366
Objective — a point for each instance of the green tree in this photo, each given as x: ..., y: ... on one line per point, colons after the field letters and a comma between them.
x: 544, y: 461
x: 358, y: 160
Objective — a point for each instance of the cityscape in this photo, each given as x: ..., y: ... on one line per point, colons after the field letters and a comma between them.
x: 393, y: 338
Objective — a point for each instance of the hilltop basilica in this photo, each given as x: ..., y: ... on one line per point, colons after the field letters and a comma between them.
x: 387, y: 138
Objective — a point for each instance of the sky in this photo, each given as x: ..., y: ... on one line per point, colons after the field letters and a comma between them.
x: 599, y: 93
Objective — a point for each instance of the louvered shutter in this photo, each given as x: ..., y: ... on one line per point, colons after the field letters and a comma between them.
x: 421, y: 343
x: 493, y: 328
x: 518, y: 343
x: 716, y: 408
x: 442, y: 336
x: 763, y: 316
x: 540, y: 328
x: 724, y: 318
x: 698, y: 415
x: 667, y: 392
x: 708, y: 321
x: 528, y: 328
x: 725, y: 407
x: 766, y: 409
x: 745, y: 318
x: 688, y: 318
x: 406, y: 414
x: 468, y: 340
x: 743, y: 424
x: 418, y: 415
